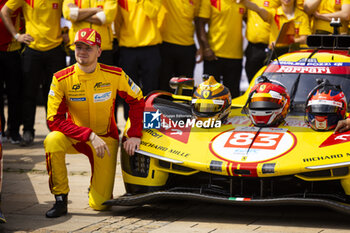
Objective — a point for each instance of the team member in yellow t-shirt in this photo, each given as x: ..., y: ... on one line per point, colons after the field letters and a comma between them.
x: 222, y: 45
x: 139, y: 40
x: 300, y: 4
x: 11, y: 75
x: 323, y: 12
x: 95, y: 14
x: 287, y: 12
x: 257, y: 34
x: 43, y: 56
x: 178, y: 50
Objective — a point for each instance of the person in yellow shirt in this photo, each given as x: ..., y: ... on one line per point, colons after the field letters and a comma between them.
x: 11, y: 76
x: 43, y: 54
x: 257, y: 34
x: 139, y: 40
x: 300, y: 4
x: 86, y: 92
x: 95, y: 14
x: 178, y: 50
x: 287, y: 12
x: 323, y: 12
x: 223, y: 44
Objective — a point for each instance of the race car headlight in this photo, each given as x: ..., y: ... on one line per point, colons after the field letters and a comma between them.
x: 139, y: 165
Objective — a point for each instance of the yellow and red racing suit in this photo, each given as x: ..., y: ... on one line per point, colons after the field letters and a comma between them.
x: 78, y: 104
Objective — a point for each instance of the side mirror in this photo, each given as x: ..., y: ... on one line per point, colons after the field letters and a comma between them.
x: 181, y: 83
x: 335, y: 23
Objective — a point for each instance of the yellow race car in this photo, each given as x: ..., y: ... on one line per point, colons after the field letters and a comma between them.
x: 238, y: 162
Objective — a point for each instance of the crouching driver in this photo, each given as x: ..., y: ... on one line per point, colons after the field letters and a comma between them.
x: 80, y: 113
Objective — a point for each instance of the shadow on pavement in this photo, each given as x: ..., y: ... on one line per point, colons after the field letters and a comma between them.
x: 25, y: 196
x: 215, y: 217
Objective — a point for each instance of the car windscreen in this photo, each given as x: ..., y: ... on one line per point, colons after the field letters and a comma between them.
x: 306, y: 83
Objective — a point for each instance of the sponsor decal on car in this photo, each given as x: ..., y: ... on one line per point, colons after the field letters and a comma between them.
x: 239, y: 198
x: 310, y: 67
x: 249, y: 145
x: 335, y: 139
x: 153, y: 133
x: 165, y: 149
x: 325, y: 157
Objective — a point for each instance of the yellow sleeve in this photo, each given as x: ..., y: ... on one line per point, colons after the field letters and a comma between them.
x: 128, y: 86
x: 272, y: 13
x: 152, y: 7
x: 345, y: 2
x: 161, y: 16
x: 132, y: 95
x: 66, y: 9
x: 110, y: 10
x: 204, y: 9
x: 14, y: 4
x: 118, y: 22
x: 55, y: 99
x: 305, y: 25
x: 197, y: 5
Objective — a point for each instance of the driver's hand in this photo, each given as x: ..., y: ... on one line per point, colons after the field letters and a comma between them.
x: 132, y: 144
x: 99, y: 145
x: 342, y: 126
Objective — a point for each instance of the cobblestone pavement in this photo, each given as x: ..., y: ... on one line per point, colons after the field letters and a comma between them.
x: 26, y: 198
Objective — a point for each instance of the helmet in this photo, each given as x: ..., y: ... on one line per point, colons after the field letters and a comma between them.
x: 268, y: 103
x: 211, y: 100
x: 325, y: 106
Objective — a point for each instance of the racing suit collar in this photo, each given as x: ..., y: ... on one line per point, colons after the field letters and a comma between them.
x: 86, y: 76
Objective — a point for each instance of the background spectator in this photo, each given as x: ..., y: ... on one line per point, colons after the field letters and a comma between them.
x: 94, y: 14
x: 43, y: 54
x: 178, y: 50
x: 10, y: 65
x: 258, y: 35
x: 287, y: 12
x: 223, y: 44
x: 323, y: 12
x: 139, y: 40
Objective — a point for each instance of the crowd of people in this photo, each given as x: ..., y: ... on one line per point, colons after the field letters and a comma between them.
x: 151, y: 41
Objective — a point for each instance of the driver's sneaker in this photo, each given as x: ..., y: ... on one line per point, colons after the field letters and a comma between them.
x: 59, y: 208
x: 27, y: 139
